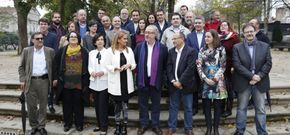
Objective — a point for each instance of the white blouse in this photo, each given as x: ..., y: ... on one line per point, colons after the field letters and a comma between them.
x: 98, y: 83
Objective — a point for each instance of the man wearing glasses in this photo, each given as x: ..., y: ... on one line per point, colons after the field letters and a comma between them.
x: 252, y: 63
x: 35, y: 75
x: 151, y: 58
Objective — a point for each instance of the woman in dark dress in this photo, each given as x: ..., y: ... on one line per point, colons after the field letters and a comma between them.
x: 120, y: 63
x: 228, y: 39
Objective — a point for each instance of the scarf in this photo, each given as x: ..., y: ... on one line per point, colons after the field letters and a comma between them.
x: 73, y: 51
x: 154, y: 64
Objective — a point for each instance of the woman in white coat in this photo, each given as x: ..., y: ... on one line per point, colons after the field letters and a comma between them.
x: 99, y: 82
x: 120, y: 64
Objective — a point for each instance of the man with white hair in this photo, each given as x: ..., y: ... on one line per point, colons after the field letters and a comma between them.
x: 81, y: 24
x: 151, y: 59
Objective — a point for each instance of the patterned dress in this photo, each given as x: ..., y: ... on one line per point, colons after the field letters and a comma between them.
x: 211, y: 63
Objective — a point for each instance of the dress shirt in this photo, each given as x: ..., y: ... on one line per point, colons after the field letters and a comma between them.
x: 177, y: 61
x: 161, y: 24
x: 39, y: 64
x: 251, y: 51
x: 199, y: 38
x: 135, y: 27
x: 149, y: 58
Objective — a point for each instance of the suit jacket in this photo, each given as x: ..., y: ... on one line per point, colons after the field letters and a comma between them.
x: 166, y: 25
x: 130, y: 27
x: 26, y: 65
x: 161, y: 69
x: 242, y: 63
x: 186, y: 68
x: 192, y: 41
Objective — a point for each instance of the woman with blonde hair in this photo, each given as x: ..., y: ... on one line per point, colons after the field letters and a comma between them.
x: 120, y: 63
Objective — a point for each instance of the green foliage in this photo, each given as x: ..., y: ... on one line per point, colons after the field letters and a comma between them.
x: 7, y: 38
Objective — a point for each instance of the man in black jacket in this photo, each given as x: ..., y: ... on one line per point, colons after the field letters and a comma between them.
x: 180, y: 70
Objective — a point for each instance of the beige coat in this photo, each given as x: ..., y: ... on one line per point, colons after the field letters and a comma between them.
x: 25, y: 67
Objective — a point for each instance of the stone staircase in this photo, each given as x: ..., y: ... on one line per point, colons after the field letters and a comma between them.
x: 280, y: 98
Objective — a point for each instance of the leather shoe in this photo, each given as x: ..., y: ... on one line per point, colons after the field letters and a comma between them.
x: 51, y: 109
x: 79, y: 128
x: 66, y: 128
x: 42, y: 131
x: 157, y: 131
x: 141, y: 131
x: 33, y: 131
x: 190, y: 132
x: 96, y: 129
x: 169, y: 132
x: 194, y: 112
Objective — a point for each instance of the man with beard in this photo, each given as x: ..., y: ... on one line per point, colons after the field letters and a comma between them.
x: 56, y: 27
x: 189, y: 21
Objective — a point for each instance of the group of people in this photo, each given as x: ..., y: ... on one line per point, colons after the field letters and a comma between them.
x: 100, y: 60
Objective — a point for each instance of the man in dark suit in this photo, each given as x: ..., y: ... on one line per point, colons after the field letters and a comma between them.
x: 196, y: 40
x: 35, y: 75
x: 161, y: 23
x: 132, y: 26
x: 252, y: 63
x: 151, y: 59
x: 180, y: 71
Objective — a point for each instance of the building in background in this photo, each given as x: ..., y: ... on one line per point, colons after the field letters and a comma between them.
x: 8, y: 20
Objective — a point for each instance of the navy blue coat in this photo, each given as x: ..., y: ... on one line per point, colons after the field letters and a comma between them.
x: 161, y: 71
x: 192, y: 41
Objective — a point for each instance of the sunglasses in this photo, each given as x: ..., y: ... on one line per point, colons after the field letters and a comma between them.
x: 38, y: 38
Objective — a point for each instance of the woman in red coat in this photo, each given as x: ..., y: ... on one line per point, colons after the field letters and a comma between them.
x: 228, y: 39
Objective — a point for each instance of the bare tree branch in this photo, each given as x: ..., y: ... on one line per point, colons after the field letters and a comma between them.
x: 286, y: 4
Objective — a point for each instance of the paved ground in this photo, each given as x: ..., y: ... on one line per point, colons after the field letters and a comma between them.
x: 280, y: 76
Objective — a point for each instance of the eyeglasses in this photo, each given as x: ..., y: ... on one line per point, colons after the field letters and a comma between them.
x: 149, y: 32
x: 38, y: 39
x: 247, y: 32
x: 73, y: 36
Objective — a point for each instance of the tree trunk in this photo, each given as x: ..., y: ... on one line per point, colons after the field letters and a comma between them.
x: 152, y: 7
x: 22, y: 9
x: 266, y: 15
x: 171, y: 4
x: 22, y: 32
x: 61, y: 8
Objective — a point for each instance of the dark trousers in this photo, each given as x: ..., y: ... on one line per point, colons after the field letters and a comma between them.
x: 101, y: 99
x: 143, y: 97
x: 207, y: 112
x: 195, y: 94
x: 73, y: 107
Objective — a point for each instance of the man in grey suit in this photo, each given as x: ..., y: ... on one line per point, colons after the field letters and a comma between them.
x: 35, y: 75
x: 252, y: 63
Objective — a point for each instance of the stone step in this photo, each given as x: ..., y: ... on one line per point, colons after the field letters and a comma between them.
x: 12, y: 126
x: 279, y: 113
x: 277, y: 98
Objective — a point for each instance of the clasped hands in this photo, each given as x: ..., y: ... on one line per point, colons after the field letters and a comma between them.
x: 212, y: 81
x: 177, y: 84
x: 255, y: 79
x: 122, y: 68
x: 97, y: 74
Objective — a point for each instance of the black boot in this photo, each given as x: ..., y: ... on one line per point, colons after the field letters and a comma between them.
x: 208, y: 131
x: 216, y: 131
x: 117, y: 129
x: 229, y: 106
x: 124, y: 129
